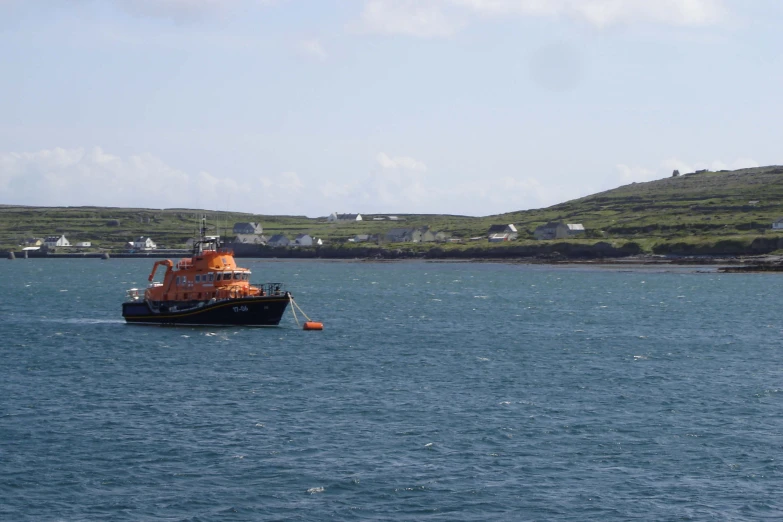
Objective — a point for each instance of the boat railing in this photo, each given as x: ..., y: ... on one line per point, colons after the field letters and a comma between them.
x: 132, y: 294
x: 272, y: 288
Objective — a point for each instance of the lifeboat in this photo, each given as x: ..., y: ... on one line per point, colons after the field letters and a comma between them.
x: 207, y: 288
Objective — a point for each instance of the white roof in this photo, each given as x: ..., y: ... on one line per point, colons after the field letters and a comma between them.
x: 575, y: 226
x: 512, y: 228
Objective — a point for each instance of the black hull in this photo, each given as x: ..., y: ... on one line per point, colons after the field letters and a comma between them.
x: 247, y: 311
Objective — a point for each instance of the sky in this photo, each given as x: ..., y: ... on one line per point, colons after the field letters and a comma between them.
x: 308, y: 107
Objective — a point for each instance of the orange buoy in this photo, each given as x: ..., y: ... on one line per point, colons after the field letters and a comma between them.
x: 312, y: 325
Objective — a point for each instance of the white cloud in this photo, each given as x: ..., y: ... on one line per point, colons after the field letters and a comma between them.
x: 75, y: 177
x: 290, y: 182
x: 401, y: 184
x: 183, y: 9
x: 424, y: 18
x: 636, y: 174
x: 602, y: 13
x: 714, y: 165
x: 313, y: 48
x: 285, y: 183
x: 434, y: 18
x: 403, y: 162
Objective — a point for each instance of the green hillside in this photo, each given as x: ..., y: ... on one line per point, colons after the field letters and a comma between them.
x: 697, y: 208
x: 705, y: 212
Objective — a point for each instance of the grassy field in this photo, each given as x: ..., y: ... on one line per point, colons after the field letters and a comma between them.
x: 705, y: 212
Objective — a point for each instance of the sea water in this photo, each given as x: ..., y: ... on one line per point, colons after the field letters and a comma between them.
x: 437, y: 391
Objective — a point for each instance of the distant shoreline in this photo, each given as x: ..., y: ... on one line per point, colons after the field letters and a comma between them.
x: 724, y: 264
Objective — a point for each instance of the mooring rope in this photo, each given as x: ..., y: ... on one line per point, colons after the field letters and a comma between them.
x: 300, y: 309
x: 293, y: 311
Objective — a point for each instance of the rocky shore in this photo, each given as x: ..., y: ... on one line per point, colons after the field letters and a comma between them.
x: 588, y: 256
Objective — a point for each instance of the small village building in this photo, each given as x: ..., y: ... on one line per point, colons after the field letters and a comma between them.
x: 334, y: 217
x: 248, y: 228
x: 423, y: 235
x: 575, y: 229
x: 250, y: 239
x: 558, y: 230
x: 278, y: 240
x: 83, y: 244
x: 777, y: 224
x: 56, y: 241
x: 499, y: 233
x: 399, y: 235
x: 498, y: 238
x: 144, y: 243
x: 303, y: 240
x: 552, y: 230
x: 414, y: 235
x: 33, y: 242
x: 360, y: 238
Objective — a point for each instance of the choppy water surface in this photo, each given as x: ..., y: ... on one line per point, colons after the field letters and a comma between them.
x: 435, y: 392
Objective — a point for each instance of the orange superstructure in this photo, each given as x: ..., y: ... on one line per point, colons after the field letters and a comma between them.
x: 209, y: 274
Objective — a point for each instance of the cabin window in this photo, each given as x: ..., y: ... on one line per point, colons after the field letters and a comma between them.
x: 210, y: 276
x: 217, y: 276
x: 198, y: 278
x: 226, y: 276
x: 177, y: 280
x: 245, y: 276
x: 237, y: 275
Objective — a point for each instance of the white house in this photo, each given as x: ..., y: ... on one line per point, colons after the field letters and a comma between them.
x: 777, y: 224
x: 248, y: 228
x: 278, y: 240
x: 56, y: 241
x: 574, y: 229
x: 144, y: 243
x: 250, y: 239
x: 334, y: 217
x: 399, y: 235
x: 83, y: 244
x: 558, y: 230
x: 303, y: 240
x: 551, y: 230
x: 498, y: 233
